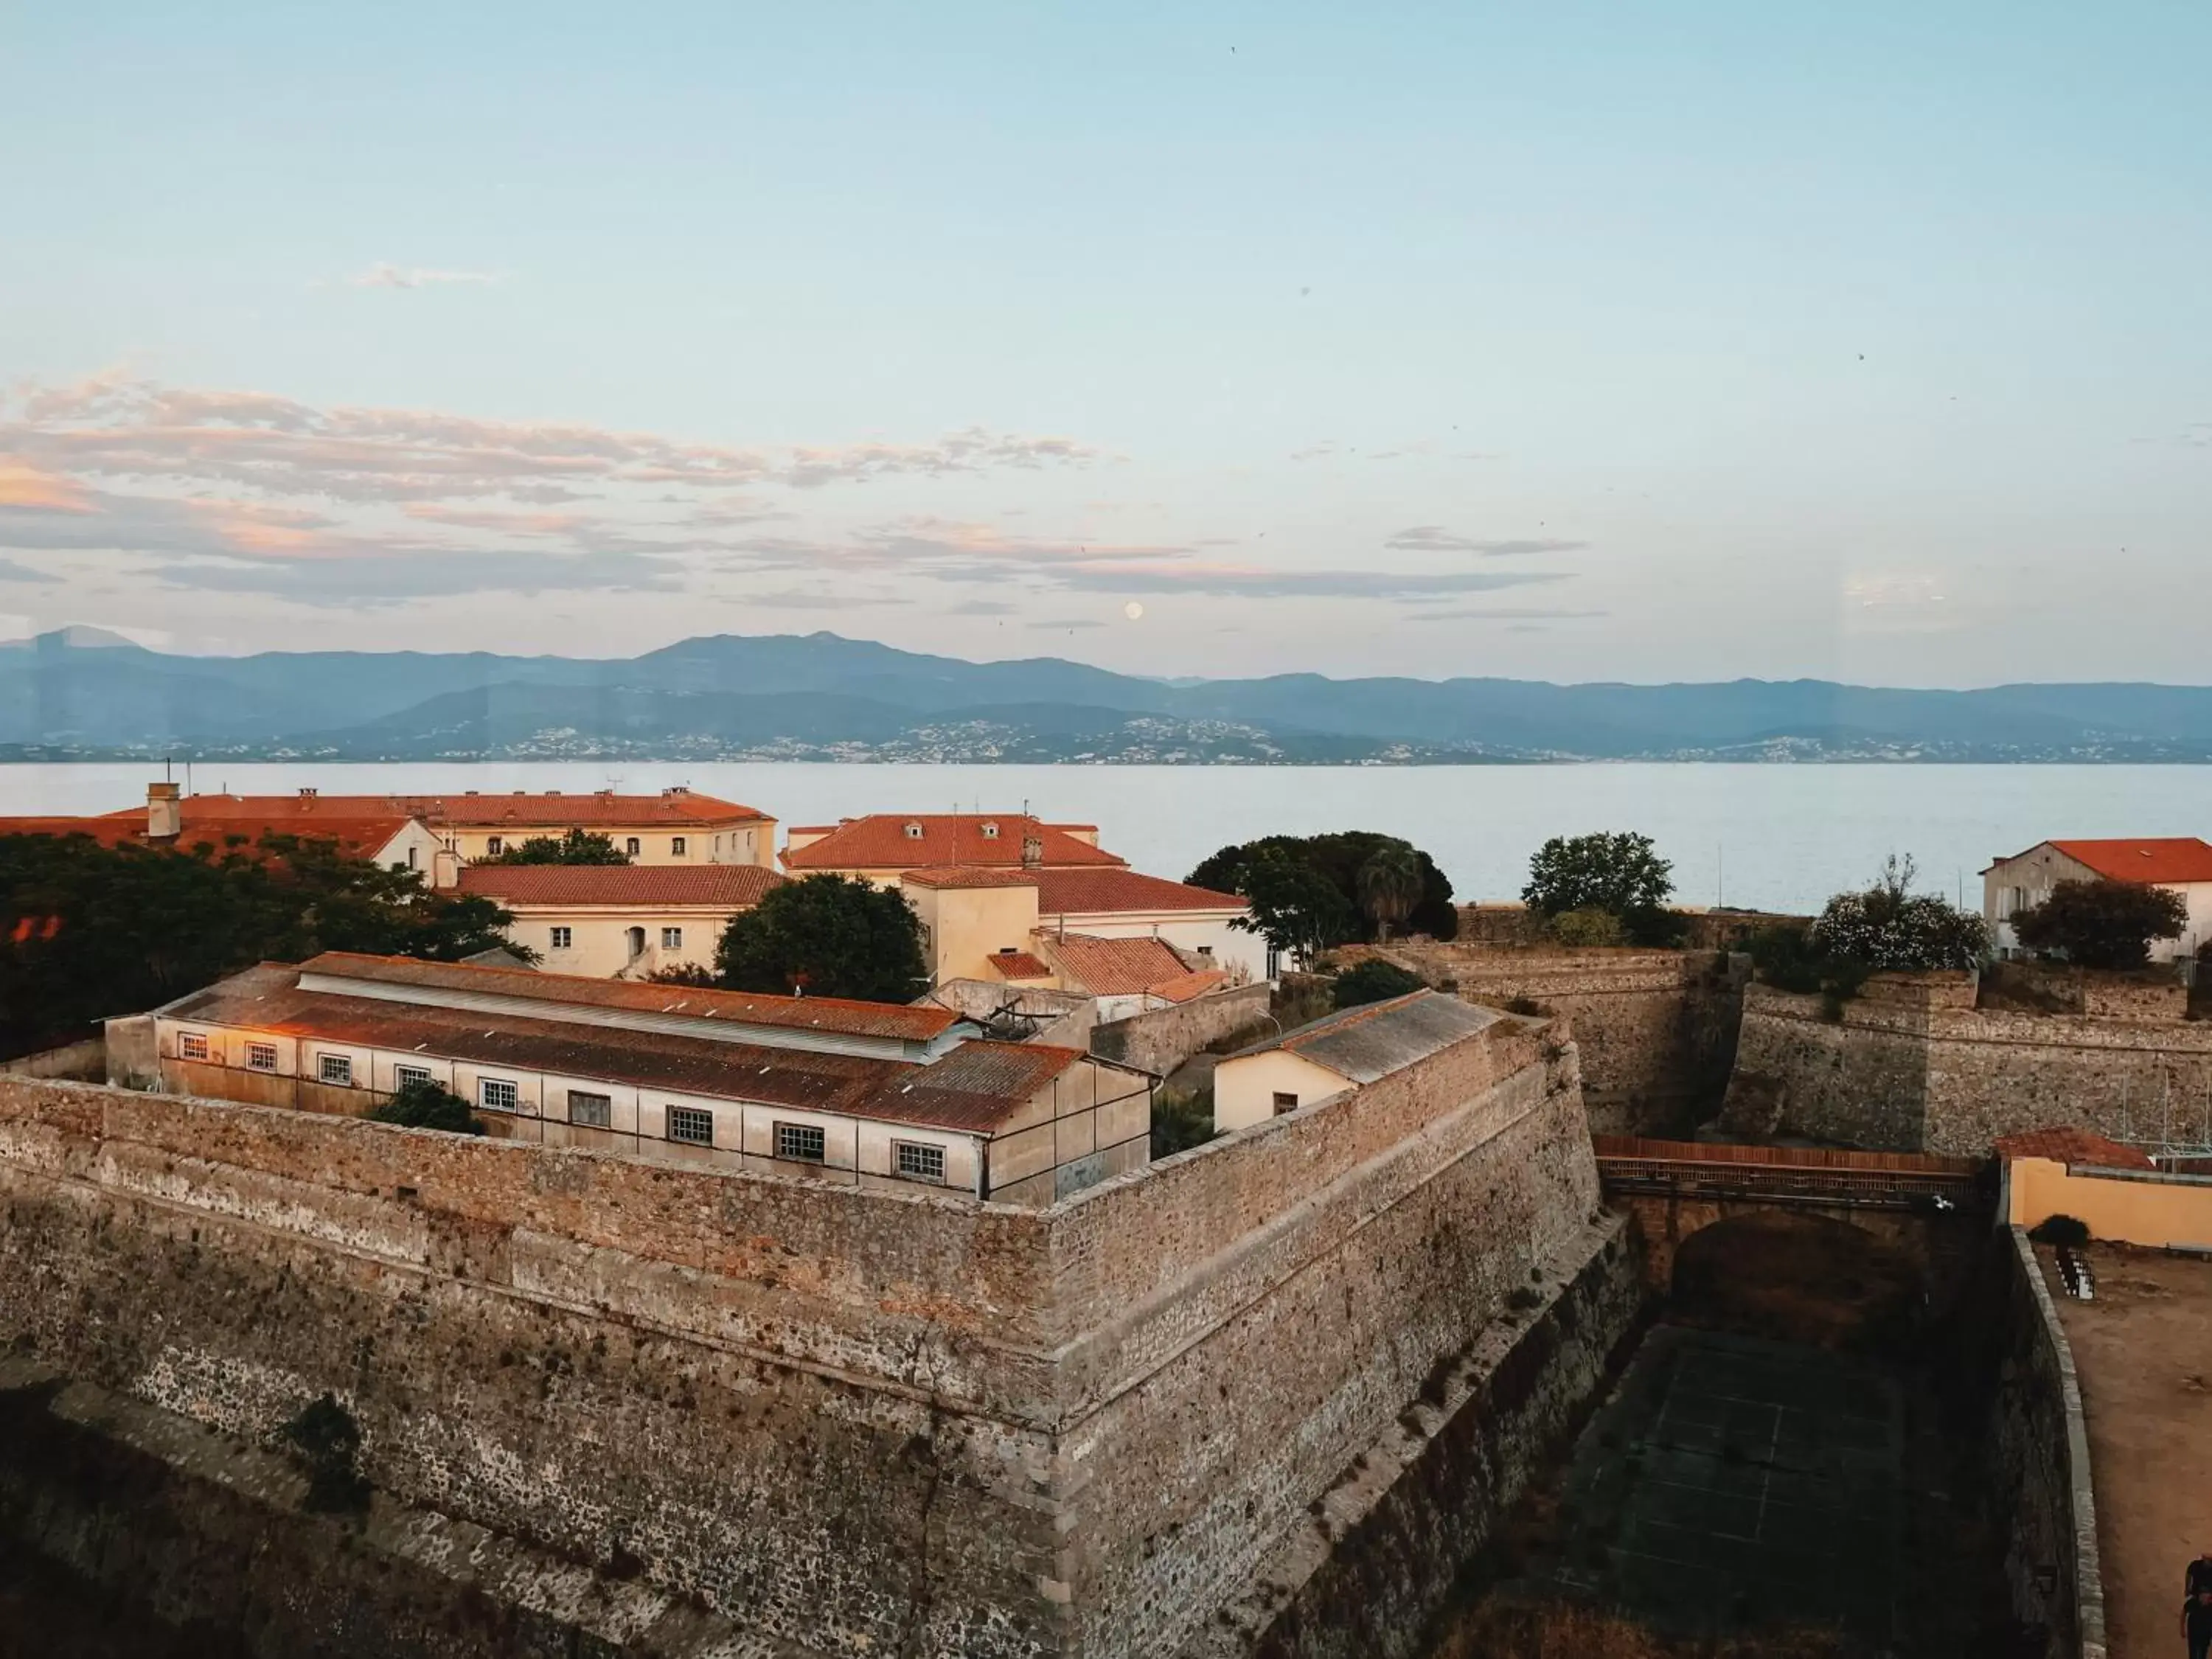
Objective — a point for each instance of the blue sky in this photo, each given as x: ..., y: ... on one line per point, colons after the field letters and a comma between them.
x: 1567, y: 342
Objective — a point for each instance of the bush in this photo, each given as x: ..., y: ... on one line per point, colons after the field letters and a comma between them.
x: 2065, y: 1231
x: 1784, y: 958
x: 1373, y: 980
x: 326, y: 1440
x: 1182, y: 1119
x: 1588, y: 926
x: 2102, y: 924
x: 425, y: 1105
x: 1890, y: 928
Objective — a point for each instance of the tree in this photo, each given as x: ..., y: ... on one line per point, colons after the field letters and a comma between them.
x: 1589, y: 925
x: 1390, y: 886
x: 423, y: 1104
x: 1295, y: 907
x: 1373, y: 980
x: 577, y: 846
x: 1890, y: 928
x: 1338, y: 857
x: 1619, y: 873
x: 2102, y: 924
x: 88, y: 930
x: 826, y: 935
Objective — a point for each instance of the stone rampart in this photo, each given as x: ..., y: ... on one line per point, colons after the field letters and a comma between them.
x: 855, y: 1422
x: 1656, y: 1029
x: 1902, y: 1075
x: 1162, y: 1039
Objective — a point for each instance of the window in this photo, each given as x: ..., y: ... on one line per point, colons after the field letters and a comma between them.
x: 1205, y: 950
x: 695, y: 1124
x: 410, y: 857
x: 592, y: 1111
x: 801, y: 1141
x: 1285, y: 1103
x: 260, y: 1056
x: 563, y: 938
x: 335, y: 1069
x: 403, y: 1075
x: 497, y: 1094
x: 671, y: 939
x: 676, y: 846
x: 192, y: 1045
x: 918, y: 1163
x: 631, y: 845
x: 495, y: 846
x: 913, y: 831
x: 990, y: 832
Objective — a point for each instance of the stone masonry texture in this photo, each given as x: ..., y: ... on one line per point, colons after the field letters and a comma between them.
x: 852, y: 1422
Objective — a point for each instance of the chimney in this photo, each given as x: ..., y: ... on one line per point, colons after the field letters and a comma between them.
x: 1032, y: 852
x: 306, y: 794
x: 165, y: 812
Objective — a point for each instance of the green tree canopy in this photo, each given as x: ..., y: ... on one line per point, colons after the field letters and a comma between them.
x: 88, y: 930
x: 827, y: 936
x: 1620, y: 874
x: 577, y: 846
x: 2102, y: 924
x: 1339, y: 859
x: 1373, y: 980
x: 1890, y: 928
x: 423, y: 1104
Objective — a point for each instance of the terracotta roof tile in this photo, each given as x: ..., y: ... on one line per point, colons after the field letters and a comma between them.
x: 1108, y: 892
x: 1019, y: 964
x: 882, y: 841
x: 1117, y: 967
x: 2072, y: 1145
x: 361, y: 834
x: 549, y: 811
x: 969, y: 875
x: 2174, y: 860
x: 722, y: 886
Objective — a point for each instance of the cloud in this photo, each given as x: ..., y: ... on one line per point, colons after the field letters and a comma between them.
x: 1068, y: 621
x: 1243, y: 582
x: 1502, y: 613
x: 383, y: 274
x: 12, y: 572
x: 1435, y: 538
x: 1318, y: 451
x: 982, y: 608
x: 24, y: 486
x: 390, y: 581
x: 498, y: 519
x: 799, y: 599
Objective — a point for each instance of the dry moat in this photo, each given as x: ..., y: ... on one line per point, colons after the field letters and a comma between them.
x: 1789, y: 1464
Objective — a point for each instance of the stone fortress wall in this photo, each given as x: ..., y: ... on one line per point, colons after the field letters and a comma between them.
x: 853, y: 1422
x: 1913, y: 1065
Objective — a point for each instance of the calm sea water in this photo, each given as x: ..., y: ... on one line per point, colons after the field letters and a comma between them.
x: 1770, y: 837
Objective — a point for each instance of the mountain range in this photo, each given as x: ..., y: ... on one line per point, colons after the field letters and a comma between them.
x: 83, y: 694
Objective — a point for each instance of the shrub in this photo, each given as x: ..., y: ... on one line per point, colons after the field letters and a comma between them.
x: 2103, y: 924
x: 1888, y: 926
x: 1588, y: 926
x: 1373, y: 980
x: 424, y: 1105
x: 2068, y: 1232
x: 577, y: 846
x: 1182, y: 1119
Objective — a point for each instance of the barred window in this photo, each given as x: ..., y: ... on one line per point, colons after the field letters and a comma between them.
x: 801, y: 1141
x: 403, y: 1075
x: 261, y: 1056
x: 335, y: 1069
x: 592, y: 1111
x: 917, y: 1161
x: 1285, y: 1103
x: 695, y: 1124
x: 192, y: 1045
x: 497, y: 1094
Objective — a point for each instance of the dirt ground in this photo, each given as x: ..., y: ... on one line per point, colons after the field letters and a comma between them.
x: 2144, y: 1350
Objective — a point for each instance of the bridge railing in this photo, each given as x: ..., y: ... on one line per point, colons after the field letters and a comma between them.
x: 1632, y: 1164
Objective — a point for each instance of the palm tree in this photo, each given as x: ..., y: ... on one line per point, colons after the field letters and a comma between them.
x: 1390, y: 885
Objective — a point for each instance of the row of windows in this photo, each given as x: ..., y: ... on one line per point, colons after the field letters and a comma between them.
x: 671, y: 939
x: 633, y: 846
x: 796, y: 1143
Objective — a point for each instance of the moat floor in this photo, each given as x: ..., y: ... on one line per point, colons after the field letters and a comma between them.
x: 1733, y: 1482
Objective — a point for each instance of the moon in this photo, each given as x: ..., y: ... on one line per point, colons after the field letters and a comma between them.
x: 1132, y: 610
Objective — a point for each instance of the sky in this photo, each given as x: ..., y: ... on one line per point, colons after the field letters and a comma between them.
x: 1568, y: 342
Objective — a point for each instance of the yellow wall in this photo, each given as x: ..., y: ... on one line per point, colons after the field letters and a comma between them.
x: 1244, y: 1090
x: 749, y: 841
x: 599, y: 942
x: 964, y: 927
x: 2155, y: 1210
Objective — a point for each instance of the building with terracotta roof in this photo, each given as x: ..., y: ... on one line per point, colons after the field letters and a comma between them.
x: 883, y: 847
x: 1340, y: 1052
x: 370, y: 828
x: 630, y: 921
x: 2181, y: 864
x: 1126, y: 975
x: 861, y: 1093
x: 1124, y: 903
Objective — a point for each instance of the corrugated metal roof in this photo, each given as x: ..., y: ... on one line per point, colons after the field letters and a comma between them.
x: 874, y: 1019
x: 975, y: 1088
x: 1367, y: 1043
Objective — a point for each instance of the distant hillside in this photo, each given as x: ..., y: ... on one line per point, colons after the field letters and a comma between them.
x: 83, y: 694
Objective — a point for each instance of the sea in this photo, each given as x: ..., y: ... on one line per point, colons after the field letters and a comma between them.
x: 1770, y: 837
